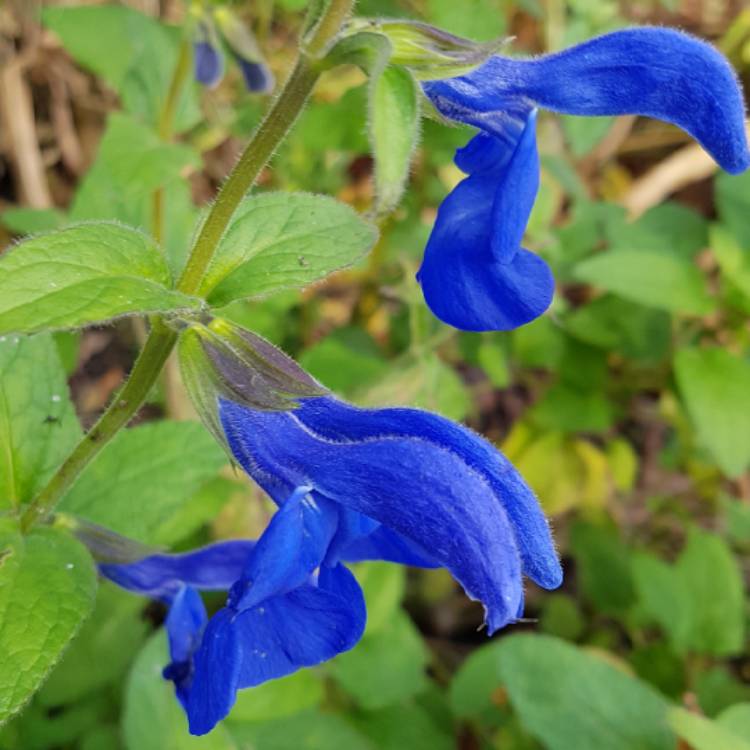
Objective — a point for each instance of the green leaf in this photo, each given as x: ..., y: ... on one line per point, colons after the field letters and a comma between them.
x: 134, y: 53
x: 386, y: 667
x: 584, y: 133
x: 394, y: 132
x: 473, y: 685
x: 135, y: 161
x: 130, y: 165
x: 733, y: 204
x: 311, y: 730
x: 383, y: 585
x: 714, y: 385
x: 152, y: 718
x: 38, y: 426
x: 24, y: 220
x: 493, y: 359
x: 484, y: 20
x: 703, y: 733
x: 650, y: 277
x: 714, y: 581
x: 107, y: 643
x: 737, y: 719
x: 572, y: 410
x: 404, y: 726
x: 603, y: 562
x: 429, y: 384
x: 733, y: 260
x: 47, y: 589
x: 279, y: 698
x: 345, y: 361
x: 663, y: 597
x: 144, y: 476
x: 88, y: 273
x: 568, y: 698
x: 718, y: 688
x: 669, y: 227
x: 562, y: 617
x: 699, y: 600
x: 615, y: 324
x: 284, y: 240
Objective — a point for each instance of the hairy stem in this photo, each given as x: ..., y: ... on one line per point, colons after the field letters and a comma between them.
x: 280, y: 118
x: 166, y: 127
x: 161, y: 340
x: 146, y: 370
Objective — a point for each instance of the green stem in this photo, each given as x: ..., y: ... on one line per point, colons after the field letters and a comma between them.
x: 166, y: 126
x: 161, y: 340
x: 279, y: 120
x: 146, y: 370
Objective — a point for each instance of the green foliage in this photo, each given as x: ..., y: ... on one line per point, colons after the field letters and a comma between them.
x: 38, y: 426
x: 312, y: 730
x: 32, y: 220
x: 393, y: 657
x: 88, y: 273
x: 133, y: 489
x: 152, y: 718
x: 714, y: 384
x: 620, y: 713
x: 733, y: 202
x: 394, y: 131
x: 704, y: 734
x: 47, y: 589
x: 654, y: 278
x: 345, y: 361
x: 699, y: 600
x: 91, y: 664
x: 624, y: 407
x: 131, y: 163
x: 279, y: 698
x: 132, y: 52
x: 284, y: 240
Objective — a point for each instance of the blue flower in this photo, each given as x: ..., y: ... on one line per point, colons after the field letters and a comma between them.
x: 352, y: 484
x: 290, y: 605
x: 208, y: 55
x: 475, y: 275
x: 408, y: 486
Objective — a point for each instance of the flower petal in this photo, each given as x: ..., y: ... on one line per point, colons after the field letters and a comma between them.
x: 475, y: 275
x: 302, y: 628
x: 258, y: 78
x: 339, y: 421
x: 388, y: 545
x: 293, y: 545
x: 217, y: 669
x: 660, y: 73
x: 209, y: 64
x: 214, y: 567
x: 185, y: 622
x: 417, y: 486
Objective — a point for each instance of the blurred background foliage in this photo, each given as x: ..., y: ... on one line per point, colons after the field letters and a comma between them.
x: 626, y: 407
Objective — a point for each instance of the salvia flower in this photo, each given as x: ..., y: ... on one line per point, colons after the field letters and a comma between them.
x: 351, y: 484
x: 211, y: 26
x: 289, y: 606
x: 475, y: 274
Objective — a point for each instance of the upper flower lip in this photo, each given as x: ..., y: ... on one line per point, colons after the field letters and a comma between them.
x: 431, y: 481
x: 656, y: 72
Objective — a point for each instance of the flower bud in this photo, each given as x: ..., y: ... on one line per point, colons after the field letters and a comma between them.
x: 258, y: 77
x: 104, y: 545
x: 208, y: 57
x: 429, y: 52
x: 220, y: 360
